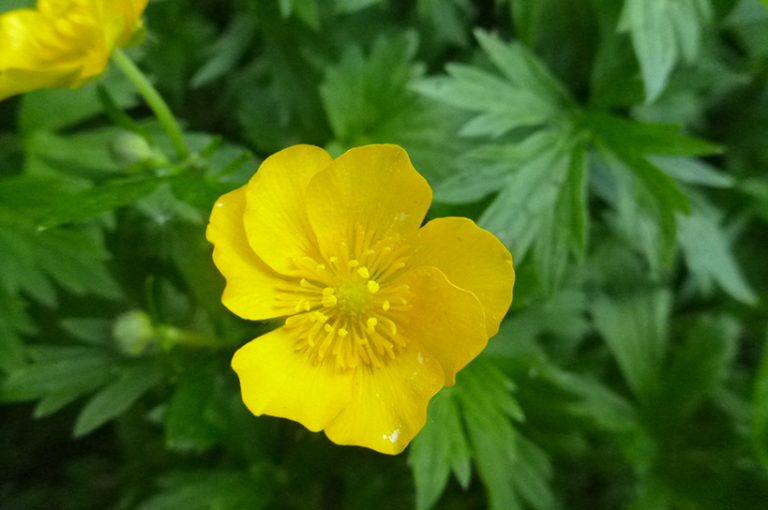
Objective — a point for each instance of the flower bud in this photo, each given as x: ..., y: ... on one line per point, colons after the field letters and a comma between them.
x: 134, y: 333
x: 129, y: 149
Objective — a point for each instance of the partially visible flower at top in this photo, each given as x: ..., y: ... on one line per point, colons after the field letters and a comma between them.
x: 380, y: 314
x: 62, y: 43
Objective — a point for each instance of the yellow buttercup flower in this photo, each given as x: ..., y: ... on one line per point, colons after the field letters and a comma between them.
x: 62, y: 43
x: 380, y: 314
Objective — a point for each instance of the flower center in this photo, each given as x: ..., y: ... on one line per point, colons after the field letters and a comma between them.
x: 353, y: 297
x: 346, y: 308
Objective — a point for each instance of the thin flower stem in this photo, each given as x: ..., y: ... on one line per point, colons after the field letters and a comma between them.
x: 154, y: 100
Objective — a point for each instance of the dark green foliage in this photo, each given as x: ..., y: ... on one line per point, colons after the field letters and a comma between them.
x: 618, y: 148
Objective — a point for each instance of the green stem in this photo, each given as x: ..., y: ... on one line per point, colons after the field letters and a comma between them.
x: 154, y: 100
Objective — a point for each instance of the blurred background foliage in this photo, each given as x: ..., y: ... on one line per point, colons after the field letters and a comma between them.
x: 618, y: 147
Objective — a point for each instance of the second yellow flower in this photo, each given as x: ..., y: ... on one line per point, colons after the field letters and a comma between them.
x: 62, y: 43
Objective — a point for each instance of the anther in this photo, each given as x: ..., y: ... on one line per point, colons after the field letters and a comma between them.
x: 353, y: 263
x: 371, y: 323
x: 363, y: 271
x: 373, y: 286
x: 385, y: 305
x: 342, y: 332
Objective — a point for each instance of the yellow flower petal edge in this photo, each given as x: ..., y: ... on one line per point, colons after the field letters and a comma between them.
x: 276, y: 217
x: 456, y: 246
x: 62, y: 43
x: 380, y: 313
x: 239, y: 265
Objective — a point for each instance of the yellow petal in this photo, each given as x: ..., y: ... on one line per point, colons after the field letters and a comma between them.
x: 373, y: 188
x: 18, y: 29
x: 251, y: 284
x: 275, y: 215
x: 134, y: 8
x: 277, y: 381
x: 471, y: 258
x: 27, y: 64
x: 17, y: 81
x: 119, y: 20
x: 388, y: 405
x: 447, y: 321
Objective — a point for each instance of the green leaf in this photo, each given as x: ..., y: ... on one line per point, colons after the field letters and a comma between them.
x: 522, y: 68
x: 81, y: 371
x: 634, y: 328
x: 531, y: 475
x: 114, y: 399
x: 441, y: 447
x: 187, y: 421
x: 596, y: 402
x: 350, y: 6
x: 644, y: 218
x: 531, y: 191
x: 485, y: 170
x: 693, y: 171
x: 478, y: 412
x: 493, y: 440
x: 368, y: 100
x: 527, y: 95
x: 659, y: 184
x: 55, y: 402
x: 448, y: 20
x: 226, y: 52
x: 13, y: 322
x: 213, y: 489
x: 625, y: 136
x: 89, y: 330
x: 760, y: 409
x: 88, y: 204
x: 512, y: 468
x: 578, y: 198
x: 500, y: 107
x: 85, y: 155
x: 561, y: 315
x: 73, y: 258
x: 525, y: 15
x: 663, y: 33
x: 360, y: 93
x: 306, y: 10
x: 700, y: 365
x: 564, y: 228
x: 708, y: 253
